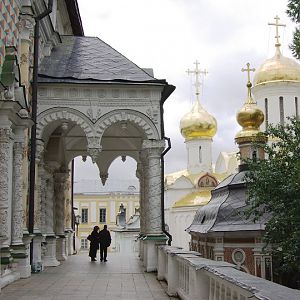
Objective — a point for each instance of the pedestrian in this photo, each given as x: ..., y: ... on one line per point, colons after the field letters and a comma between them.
x: 105, y: 240
x: 94, y: 243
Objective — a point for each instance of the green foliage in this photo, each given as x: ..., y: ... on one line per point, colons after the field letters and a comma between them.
x: 273, y: 187
x: 295, y: 46
x: 293, y: 11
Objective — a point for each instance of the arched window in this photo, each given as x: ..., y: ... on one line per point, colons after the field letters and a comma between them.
x: 254, y: 155
x: 200, y: 155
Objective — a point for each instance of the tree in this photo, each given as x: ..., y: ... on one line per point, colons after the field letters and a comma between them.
x: 293, y: 11
x: 273, y: 187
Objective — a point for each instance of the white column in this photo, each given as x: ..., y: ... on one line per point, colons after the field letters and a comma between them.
x: 49, y: 257
x: 5, y: 136
x: 151, y: 151
x: 140, y: 176
x: 60, y: 187
x: 37, y: 264
x: 17, y: 204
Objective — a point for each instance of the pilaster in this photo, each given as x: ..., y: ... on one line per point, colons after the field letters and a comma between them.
x: 5, y: 140
x: 17, y: 204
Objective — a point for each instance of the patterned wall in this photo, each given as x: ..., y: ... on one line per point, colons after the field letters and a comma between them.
x: 9, y: 33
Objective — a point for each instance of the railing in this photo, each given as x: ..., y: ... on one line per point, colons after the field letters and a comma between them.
x: 191, y: 277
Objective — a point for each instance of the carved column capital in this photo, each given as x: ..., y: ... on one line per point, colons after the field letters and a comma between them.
x: 153, y: 147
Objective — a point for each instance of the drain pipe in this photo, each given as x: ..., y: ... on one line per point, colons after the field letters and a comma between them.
x: 162, y: 162
x: 37, y: 18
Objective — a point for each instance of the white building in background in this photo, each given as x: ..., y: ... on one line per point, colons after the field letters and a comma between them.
x: 277, y: 86
x: 187, y: 190
x: 99, y: 205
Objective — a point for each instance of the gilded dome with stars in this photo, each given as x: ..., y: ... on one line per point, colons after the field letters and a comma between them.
x: 198, y: 123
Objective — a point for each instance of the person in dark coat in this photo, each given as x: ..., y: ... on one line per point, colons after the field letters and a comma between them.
x: 94, y: 243
x: 105, y: 240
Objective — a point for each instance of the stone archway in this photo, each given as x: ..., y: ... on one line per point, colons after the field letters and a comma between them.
x: 126, y: 115
x: 63, y: 113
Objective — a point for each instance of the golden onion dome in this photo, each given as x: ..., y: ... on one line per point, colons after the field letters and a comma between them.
x: 250, y: 117
x: 277, y: 68
x: 198, y: 123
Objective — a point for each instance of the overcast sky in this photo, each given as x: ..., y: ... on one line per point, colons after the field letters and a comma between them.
x: 168, y: 36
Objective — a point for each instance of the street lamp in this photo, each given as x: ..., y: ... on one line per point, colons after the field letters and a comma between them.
x: 77, y: 222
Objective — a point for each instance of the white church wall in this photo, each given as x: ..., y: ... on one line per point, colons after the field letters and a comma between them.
x: 272, y: 92
x: 199, y: 155
x: 180, y: 219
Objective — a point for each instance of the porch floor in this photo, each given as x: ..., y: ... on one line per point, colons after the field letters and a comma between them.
x: 122, y: 277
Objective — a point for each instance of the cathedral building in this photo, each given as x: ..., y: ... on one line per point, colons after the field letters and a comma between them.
x: 220, y: 230
x: 188, y: 190
x: 277, y: 85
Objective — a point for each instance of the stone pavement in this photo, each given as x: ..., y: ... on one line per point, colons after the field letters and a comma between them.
x: 122, y: 277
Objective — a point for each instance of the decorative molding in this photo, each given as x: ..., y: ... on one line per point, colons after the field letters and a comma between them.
x: 49, y: 116
x: 139, y: 119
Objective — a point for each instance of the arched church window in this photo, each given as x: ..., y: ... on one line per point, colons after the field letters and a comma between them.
x: 266, y: 113
x: 281, y: 110
x: 296, y: 107
x: 200, y: 154
x: 254, y: 155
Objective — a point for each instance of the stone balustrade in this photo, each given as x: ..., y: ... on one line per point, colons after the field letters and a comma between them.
x: 190, y: 276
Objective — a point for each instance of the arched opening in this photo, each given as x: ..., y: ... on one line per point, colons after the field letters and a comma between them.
x: 116, y: 203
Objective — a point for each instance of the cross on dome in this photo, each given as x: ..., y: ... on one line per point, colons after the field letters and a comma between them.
x: 248, y: 70
x: 197, y: 73
x: 277, y: 25
x: 249, y: 84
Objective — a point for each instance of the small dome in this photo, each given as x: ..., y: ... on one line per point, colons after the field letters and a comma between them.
x: 198, y: 123
x: 250, y: 117
x: 277, y: 68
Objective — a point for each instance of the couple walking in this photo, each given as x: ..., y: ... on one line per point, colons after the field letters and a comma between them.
x: 97, y: 237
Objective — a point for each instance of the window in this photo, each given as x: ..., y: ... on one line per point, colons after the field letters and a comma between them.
x: 200, y: 155
x: 296, y: 107
x: 266, y: 113
x: 254, y: 155
x: 84, y: 215
x: 102, y: 215
x: 84, y: 244
x: 281, y: 110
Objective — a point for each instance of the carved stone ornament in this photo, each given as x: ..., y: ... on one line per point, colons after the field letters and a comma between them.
x: 103, y: 177
x: 92, y: 116
x: 94, y: 153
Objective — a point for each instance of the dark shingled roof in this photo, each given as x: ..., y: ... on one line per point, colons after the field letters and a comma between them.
x: 89, y: 59
x: 225, y: 211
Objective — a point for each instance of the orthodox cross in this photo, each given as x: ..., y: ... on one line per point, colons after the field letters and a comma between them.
x: 277, y: 25
x: 248, y: 70
x: 249, y: 85
x: 197, y: 73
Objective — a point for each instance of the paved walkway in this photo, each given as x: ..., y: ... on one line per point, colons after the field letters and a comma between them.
x: 121, y: 277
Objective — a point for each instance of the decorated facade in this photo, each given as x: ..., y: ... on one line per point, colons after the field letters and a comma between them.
x: 64, y: 95
x: 188, y: 190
